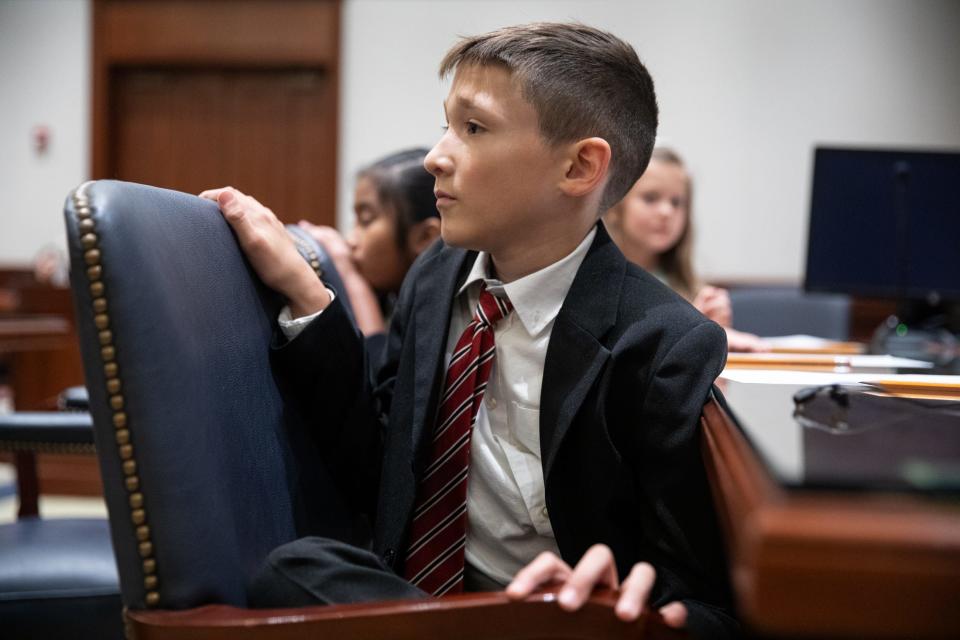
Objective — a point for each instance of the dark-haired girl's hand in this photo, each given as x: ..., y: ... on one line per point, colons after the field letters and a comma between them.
x: 333, y: 243
x: 366, y: 308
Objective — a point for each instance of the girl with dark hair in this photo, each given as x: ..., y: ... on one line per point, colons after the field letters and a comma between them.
x: 653, y: 227
x: 396, y: 219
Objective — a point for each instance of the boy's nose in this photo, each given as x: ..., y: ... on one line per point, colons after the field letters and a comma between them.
x: 437, y: 162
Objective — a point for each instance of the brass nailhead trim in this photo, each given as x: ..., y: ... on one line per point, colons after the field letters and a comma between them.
x: 312, y: 258
x: 92, y: 256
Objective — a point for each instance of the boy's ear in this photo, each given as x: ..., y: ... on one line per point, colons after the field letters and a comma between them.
x: 422, y: 234
x: 588, y: 162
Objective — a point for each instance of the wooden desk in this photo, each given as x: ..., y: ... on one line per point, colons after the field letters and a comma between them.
x: 831, y: 564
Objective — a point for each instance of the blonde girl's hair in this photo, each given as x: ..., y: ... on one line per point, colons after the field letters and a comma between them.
x: 677, y: 262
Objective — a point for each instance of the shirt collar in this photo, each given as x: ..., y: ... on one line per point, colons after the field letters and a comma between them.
x: 537, y: 297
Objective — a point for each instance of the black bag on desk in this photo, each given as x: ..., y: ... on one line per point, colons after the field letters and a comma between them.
x: 855, y: 437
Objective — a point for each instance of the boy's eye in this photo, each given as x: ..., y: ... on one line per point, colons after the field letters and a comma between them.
x: 444, y: 127
x: 472, y: 128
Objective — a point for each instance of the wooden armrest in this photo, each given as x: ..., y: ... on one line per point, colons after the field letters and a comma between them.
x: 474, y: 616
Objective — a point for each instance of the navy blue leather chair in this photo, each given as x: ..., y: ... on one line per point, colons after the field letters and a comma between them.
x: 205, y: 469
x: 58, y: 578
x: 202, y: 475
x: 782, y: 311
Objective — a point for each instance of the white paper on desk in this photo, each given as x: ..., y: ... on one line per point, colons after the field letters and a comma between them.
x: 798, y: 341
x: 893, y: 362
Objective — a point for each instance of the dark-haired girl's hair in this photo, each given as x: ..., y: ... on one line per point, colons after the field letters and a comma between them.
x: 404, y: 185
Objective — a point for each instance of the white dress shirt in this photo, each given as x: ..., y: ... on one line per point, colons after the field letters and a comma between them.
x: 507, y: 520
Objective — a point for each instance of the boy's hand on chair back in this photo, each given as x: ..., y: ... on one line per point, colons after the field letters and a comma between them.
x: 595, y: 569
x: 270, y: 250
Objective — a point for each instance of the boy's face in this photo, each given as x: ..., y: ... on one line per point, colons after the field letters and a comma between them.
x: 496, y: 176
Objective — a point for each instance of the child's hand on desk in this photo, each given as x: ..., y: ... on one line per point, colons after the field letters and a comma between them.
x: 740, y: 341
x: 595, y: 569
x: 270, y: 250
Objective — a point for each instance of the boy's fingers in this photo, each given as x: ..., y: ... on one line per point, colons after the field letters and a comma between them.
x: 211, y: 194
x: 634, y: 591
x: 596, y: 568
x: 546, y: 568
x: 674, y: 615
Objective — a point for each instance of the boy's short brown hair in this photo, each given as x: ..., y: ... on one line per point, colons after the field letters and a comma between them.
x: 582, y: 82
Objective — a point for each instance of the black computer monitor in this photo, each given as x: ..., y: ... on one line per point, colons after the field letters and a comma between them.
x: 885, y: 223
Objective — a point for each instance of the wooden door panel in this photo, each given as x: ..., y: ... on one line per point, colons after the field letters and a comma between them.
x: 267, y: 132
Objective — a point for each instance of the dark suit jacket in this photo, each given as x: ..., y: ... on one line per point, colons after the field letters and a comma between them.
x: 627, y: 371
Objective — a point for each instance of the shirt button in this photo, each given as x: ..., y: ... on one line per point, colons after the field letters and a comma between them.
x: 544, y: 513
x: 491, y: 403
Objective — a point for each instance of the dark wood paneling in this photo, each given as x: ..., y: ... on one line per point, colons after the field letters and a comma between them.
x: 236, y: 32
x: 191, y: 95
x: 265, y: 133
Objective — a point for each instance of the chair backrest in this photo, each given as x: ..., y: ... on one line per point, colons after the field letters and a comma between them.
x: 204, y: 470
x: 781, y: 311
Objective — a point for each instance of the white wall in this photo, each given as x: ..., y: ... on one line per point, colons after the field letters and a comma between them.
x: 746, y: 89
x: 44, y: 80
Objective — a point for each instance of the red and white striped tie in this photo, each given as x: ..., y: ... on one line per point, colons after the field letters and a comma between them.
x: 435, y: 556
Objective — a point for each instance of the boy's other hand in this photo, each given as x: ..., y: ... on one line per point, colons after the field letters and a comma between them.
x: 595, y: 569
x: 271, y: 251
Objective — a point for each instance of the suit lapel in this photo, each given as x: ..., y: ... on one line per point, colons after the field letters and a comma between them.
x: 575, y: 355
x: 436, y: 290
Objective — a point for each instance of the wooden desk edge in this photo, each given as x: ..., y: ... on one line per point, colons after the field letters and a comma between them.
x: 819, y: 563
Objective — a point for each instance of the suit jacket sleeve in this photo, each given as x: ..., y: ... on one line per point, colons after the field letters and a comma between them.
x: 341, y: 391
x: 681, y: 531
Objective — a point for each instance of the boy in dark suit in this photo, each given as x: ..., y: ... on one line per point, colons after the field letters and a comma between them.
x: 525, y: 355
